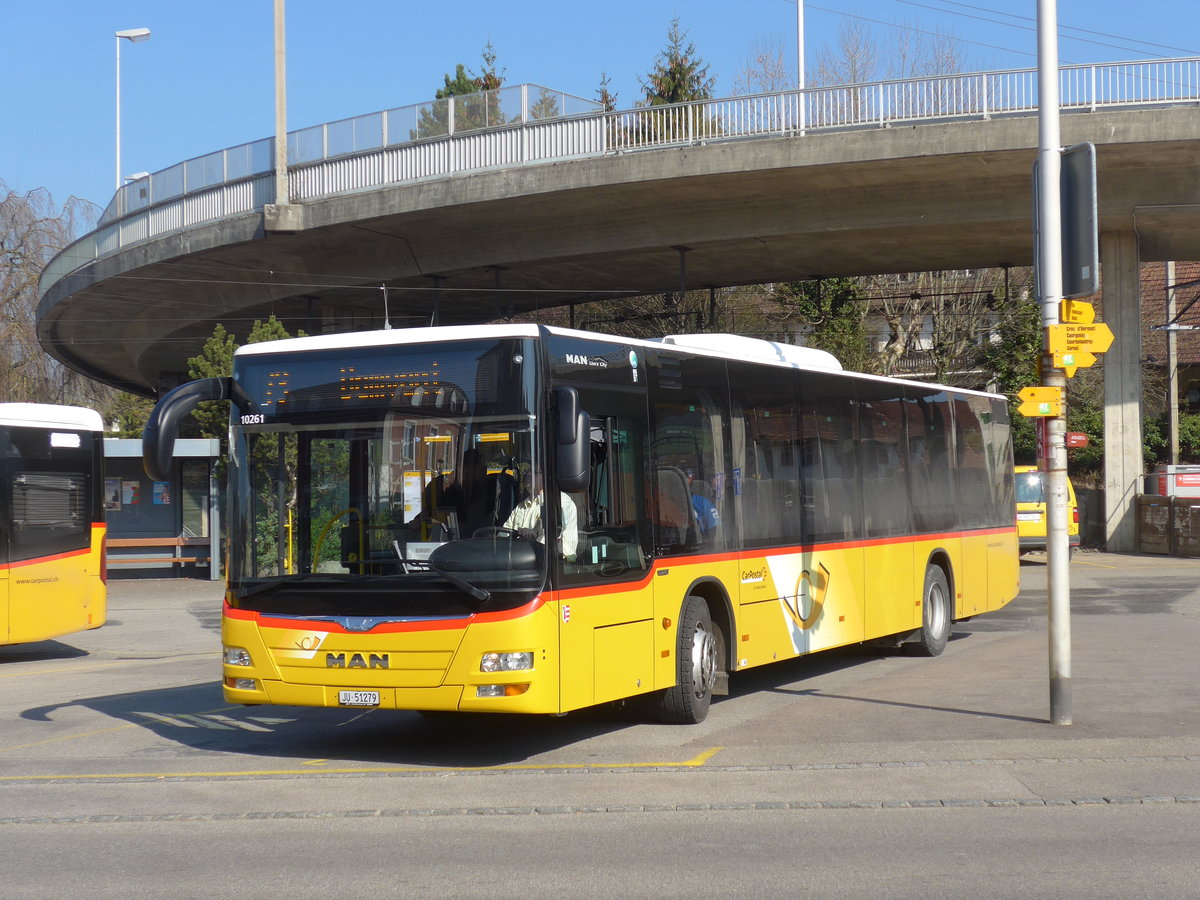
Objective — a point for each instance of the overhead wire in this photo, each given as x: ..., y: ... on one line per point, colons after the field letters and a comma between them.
x: 1032, y: 53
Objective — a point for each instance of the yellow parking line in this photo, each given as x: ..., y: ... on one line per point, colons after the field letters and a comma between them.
x: 60, y: 670
x: 68, y: 669
x: 698, y: 760
x: 70, y: 737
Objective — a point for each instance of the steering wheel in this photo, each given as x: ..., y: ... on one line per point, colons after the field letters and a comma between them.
x: 496, y: 531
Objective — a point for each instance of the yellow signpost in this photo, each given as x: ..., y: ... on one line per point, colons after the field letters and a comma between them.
x: 1074, y: 344
x: 1040, y: 401
x: 1077, y: 312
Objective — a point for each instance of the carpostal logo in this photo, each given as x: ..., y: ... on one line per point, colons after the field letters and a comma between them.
x: 754, y: 576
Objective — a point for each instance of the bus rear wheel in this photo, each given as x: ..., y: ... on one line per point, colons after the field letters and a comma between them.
x: 935, y: 614
x: 696, y: 659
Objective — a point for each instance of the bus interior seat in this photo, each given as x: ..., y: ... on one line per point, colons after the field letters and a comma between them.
x: 675, y: 523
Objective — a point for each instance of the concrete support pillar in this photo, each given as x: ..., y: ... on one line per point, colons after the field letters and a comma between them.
x: 1122, y: 388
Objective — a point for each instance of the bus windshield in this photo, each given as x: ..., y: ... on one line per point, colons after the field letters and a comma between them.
x: 382, y: 488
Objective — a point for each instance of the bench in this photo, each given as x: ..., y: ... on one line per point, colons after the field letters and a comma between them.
x: 174, y: 544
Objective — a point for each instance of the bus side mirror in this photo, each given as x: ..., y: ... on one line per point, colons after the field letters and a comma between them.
x: 573, y: 444
x: 162, y: 428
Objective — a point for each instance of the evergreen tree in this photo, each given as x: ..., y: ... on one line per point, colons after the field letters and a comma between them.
x: 679, y: 74
x: 1013, y: 359
x: 831, y: 316
x: 606, y: 98
x: 215, y: 360
x: 479, y: 106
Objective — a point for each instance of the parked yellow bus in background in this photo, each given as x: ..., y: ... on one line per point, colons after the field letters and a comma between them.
x: 52, y: 578
x: 716, y: 503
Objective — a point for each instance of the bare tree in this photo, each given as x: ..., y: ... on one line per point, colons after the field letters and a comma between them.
x: 764, y: 71
x: 32, y: 231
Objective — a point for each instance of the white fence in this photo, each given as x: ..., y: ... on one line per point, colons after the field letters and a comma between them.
x: 529, y: 124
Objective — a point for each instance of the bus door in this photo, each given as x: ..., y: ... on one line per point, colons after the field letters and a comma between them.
x: 606, y: 628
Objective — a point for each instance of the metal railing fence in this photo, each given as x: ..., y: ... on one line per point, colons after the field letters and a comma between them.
x: 526, y: 124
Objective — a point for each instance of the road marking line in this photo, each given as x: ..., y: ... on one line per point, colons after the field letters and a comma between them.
x: 70, y: 737
x: 71, y: 670
x: 696, y: 761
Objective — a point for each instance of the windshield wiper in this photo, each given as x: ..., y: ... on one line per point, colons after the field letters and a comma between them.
x: 244, y: 593
x: 483, y: 595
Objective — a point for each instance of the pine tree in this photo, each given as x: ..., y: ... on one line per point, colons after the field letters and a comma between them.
x: 476, y: 109
x: 679, y: 74
x: 215, y: 360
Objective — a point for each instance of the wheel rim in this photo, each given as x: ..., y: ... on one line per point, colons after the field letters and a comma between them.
x: 704, y: 660
x: 935, y: 604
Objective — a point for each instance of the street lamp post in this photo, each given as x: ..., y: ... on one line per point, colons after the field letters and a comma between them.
x: 132, y: 35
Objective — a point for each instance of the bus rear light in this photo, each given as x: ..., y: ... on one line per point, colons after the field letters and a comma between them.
x: 1075, y: 514
x: 501, y: 690
x: 237, y: 656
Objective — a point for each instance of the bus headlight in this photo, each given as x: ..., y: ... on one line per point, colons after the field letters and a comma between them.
x: 237, y: 656
x: 501, y: 690
x: 506, y: 662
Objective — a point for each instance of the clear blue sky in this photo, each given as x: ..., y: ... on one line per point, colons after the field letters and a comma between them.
x: 204, y: 80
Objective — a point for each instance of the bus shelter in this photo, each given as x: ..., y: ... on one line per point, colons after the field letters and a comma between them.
x: 169, y: 528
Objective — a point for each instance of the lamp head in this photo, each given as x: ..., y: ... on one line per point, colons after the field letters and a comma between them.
x: 135, y: 34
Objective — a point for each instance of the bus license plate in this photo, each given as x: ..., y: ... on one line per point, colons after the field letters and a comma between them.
x: 358, y: 698
x: 1029, y: 517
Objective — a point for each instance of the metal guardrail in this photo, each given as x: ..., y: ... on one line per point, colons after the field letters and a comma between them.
x: 528, y: 124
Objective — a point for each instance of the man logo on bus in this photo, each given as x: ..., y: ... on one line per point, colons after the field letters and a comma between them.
x: 357, y: 661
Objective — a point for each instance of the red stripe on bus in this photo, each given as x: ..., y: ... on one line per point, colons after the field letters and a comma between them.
x: 39, y: 560
x: 709, y: 559
x: 601, y: 590
x: 261, y: 620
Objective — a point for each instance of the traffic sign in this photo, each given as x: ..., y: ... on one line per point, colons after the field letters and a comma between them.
x: 1077, y: 312
x: 1040, y: 401
x: 1070, y: 338
x: 1076, y: 440
x: 1070, y: 360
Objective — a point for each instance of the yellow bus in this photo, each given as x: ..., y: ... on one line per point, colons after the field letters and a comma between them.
x: 52, y: 579
x: 722, y: 502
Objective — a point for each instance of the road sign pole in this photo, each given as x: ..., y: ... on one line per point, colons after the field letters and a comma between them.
x: 1050, y: 280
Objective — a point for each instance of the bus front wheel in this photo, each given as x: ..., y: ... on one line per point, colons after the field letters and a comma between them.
x: 935, y: 614
x: 696, y: 667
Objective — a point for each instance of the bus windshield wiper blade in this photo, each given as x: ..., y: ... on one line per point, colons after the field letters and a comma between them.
x: 273, y: 583
x: 483, y: 595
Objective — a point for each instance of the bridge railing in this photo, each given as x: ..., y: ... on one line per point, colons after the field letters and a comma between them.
x: 527, y: 124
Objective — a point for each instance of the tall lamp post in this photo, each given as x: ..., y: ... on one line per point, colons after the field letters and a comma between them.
x: 132, y: 35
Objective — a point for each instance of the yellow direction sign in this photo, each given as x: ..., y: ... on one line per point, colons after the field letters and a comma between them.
x: 1070, y: 360
x: 1040, y: 401
x: 1072, y: 338
x: 1077, y: 312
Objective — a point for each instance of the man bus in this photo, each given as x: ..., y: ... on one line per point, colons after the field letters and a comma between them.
x: 52, y: 533
x: 846, y: 508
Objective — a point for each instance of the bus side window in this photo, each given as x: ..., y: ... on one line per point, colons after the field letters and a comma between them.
x: 610, y: 512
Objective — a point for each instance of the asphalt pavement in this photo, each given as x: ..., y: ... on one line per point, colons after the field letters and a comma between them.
x: 851, y: 773
x: 851, y: 727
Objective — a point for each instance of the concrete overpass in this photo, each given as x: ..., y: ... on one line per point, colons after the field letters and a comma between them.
x: 866, y: 179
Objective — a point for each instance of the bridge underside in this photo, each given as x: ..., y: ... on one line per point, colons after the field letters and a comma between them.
x: 477, y: 247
